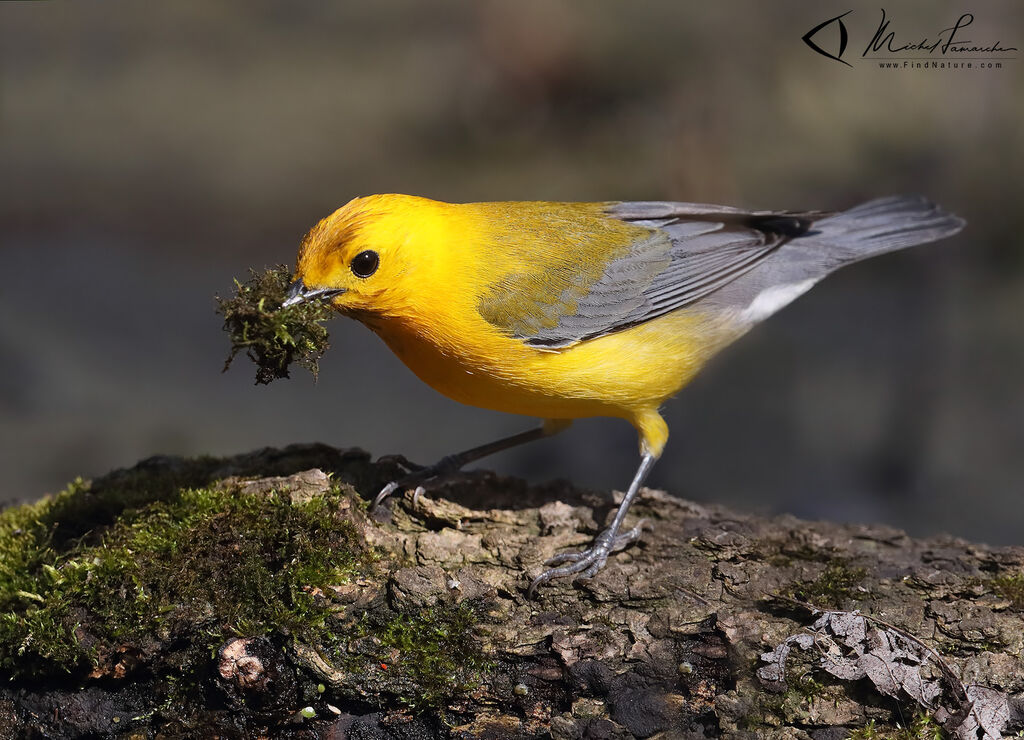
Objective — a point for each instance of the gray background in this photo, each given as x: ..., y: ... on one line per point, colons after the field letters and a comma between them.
x: 151, y: 152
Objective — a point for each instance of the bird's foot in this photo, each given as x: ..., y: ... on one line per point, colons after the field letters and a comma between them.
x: 589, y: 562
x: 444, y: 468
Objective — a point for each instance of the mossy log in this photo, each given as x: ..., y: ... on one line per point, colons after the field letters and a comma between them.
x: 255, y: 597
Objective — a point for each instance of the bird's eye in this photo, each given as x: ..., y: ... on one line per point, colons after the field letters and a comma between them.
x: 365, y: 263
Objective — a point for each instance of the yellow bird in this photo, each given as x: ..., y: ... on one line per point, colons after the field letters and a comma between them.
x: 570, y: 310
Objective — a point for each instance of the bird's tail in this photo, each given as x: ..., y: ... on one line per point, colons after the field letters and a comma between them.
x: 874, y: 228
x: 880, y: 226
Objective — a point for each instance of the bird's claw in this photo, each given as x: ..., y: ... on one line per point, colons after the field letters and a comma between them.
x: 384, y: 493
x: 588, y: 563
x: 444, y: 468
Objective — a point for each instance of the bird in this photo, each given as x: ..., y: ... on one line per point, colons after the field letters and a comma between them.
x: 563, y: 310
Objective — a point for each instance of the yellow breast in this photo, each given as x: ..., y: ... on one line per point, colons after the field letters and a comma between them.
x: 620, y: 374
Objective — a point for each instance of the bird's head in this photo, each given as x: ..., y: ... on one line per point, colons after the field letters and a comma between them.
x: 365, y: 257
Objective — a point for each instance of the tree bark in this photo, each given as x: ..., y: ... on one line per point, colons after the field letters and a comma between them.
x: 666, y: 641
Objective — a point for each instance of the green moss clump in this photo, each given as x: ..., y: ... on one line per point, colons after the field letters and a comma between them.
x: 422, y: 658
x: 33, y: 628
x: 86, y: 509
x: 1011, y: 587
x: 209, y: 559
x: 836, y: 585
x: 922, y: 727
x: 808, y: 688
x: 274, y: 337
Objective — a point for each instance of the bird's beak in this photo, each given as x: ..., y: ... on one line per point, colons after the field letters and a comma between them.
x: 299, y: 293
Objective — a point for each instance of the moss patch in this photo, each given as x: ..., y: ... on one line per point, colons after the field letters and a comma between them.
x: 173, y: 560
x: 422, y: 658
x: 133, y: 586
x: 836, y: 585
x: 271, y: 336
x: 922, y: 727
x: 1011, y: 587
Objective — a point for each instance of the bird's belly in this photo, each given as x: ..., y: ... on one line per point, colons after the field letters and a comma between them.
x: 619, y: 374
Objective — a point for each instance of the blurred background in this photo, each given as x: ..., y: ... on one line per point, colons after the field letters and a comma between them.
x: 149, y: 153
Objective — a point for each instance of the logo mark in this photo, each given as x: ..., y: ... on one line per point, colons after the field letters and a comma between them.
x: 844, y: 37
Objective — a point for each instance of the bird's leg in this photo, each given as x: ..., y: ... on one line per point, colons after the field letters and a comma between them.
x: 590, y: 561
x: 450, y: 464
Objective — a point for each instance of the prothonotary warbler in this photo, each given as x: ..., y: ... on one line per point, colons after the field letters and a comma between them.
x: 569, y: 310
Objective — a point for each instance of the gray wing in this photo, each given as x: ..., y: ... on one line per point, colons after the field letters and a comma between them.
x: 691, y: 251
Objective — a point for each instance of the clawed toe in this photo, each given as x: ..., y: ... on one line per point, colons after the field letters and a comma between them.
x: 566, y: 557
x: 384, y: 493
x: 416, y: 479
x: 632, y: 535
x: 588, y: 563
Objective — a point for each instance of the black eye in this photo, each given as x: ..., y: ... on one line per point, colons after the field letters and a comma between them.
x: 365, y: 263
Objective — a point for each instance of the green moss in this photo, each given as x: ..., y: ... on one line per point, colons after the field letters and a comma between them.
x: 922, y: 727
x: 84, y: 509
x: 151, y: 569
x: 869, y: 731
x: 808, y: 688
x: 790, y: 707
x: 1010, y: 586
x: 271, y: 336
x: 31, y: 623
x: 174, y: 559
x: 836, y: 585
x: 422, y: 659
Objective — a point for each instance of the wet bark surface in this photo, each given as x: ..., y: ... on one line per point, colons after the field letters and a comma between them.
x: 672, y: 639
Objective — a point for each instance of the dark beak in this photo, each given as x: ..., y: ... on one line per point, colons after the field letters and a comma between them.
x: 299, y: 293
